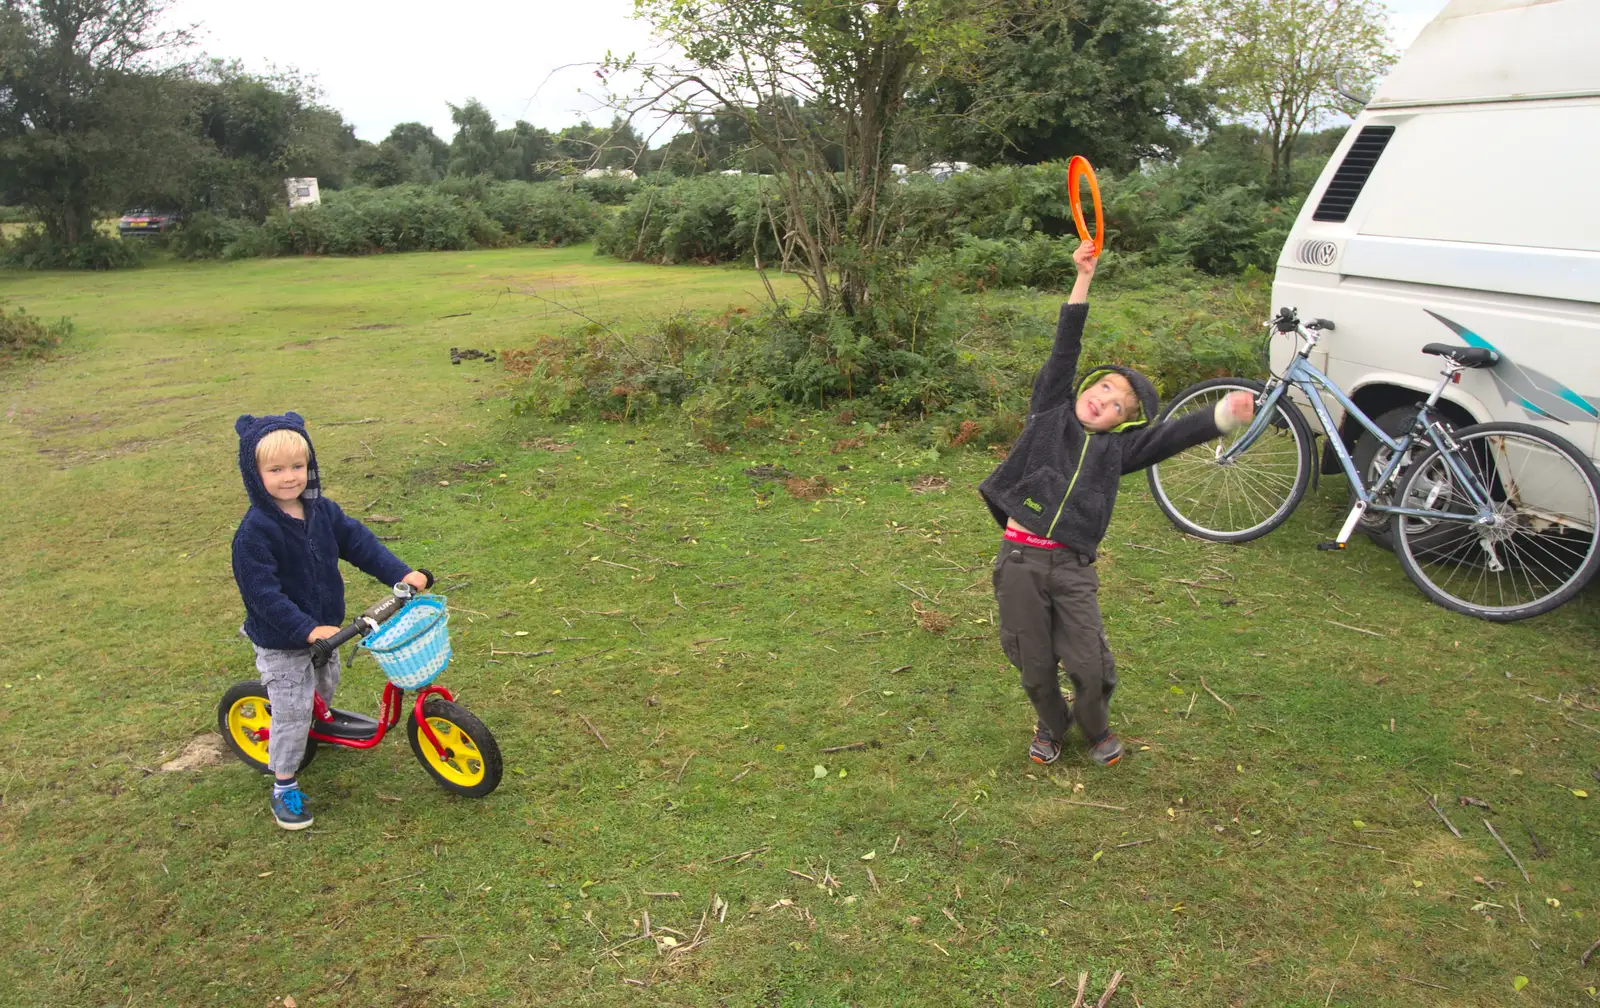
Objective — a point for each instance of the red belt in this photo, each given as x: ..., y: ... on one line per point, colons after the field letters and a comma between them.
x: 1029, y: 539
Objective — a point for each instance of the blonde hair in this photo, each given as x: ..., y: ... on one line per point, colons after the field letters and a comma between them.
x: 281, y: 444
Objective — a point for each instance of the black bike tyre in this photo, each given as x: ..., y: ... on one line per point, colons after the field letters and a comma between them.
x: 1377, y: 525
x: 243, y: 691
x: 468, y: 724
x: 1287, y: 414
x: 1413, y: 570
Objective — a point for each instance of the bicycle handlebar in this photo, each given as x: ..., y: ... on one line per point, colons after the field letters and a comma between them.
x: 368, y: 621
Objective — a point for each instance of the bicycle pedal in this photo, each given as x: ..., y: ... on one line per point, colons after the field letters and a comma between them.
x: 1330, y: 545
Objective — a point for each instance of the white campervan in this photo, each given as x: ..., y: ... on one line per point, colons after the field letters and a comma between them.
x: 1464, y: 207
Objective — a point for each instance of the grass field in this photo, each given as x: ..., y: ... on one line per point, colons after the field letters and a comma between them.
x: 1269, y: 845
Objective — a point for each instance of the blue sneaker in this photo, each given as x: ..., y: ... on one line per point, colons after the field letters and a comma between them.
x: 289, y: 809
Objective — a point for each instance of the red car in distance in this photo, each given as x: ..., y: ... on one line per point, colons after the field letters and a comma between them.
x: 139, y: 222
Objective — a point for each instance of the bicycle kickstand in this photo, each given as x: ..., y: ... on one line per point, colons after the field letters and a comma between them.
x: 1356, y: 512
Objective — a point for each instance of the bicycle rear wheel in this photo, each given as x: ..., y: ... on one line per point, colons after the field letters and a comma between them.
x: 1242, y: 498
x: 1544, y: 545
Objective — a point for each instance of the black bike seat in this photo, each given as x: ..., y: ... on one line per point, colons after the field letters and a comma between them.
x: 346, y: 725
x: 1473, y: 357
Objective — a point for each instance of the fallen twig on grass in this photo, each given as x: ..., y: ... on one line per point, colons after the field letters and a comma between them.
x: 351, y: 423
x: 609, y: 563
x: 1083, y: 987
x: 1214, y: 696
x: 574, y: 661
x: 521, y: 654
x: 1135, y: 843
x: 1111, y: 989
x: 679, y: 779
x: 1346, y: 843
x: 1490, y: 826
x: 1150, y: 548
x: 846, y: 748
x: 801, y: 874
x: 1442, y: 818
x: 900, y: 669
x: 1538, y: 848
x: 741, y: 856
x: 1370, y: 633
x: 1518, y: 904
x: 1091, y: 804
x: 708, y: 640
x: 664, y: 895
x: 596, y: 732
x: 946, y: 911
x: 874, y: 880
x: 1580, y: 724
x: 1584, y: 959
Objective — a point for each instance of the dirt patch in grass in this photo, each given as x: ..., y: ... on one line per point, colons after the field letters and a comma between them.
x: 814, y: 488
x: 929, y: 483
x: 198, y: 753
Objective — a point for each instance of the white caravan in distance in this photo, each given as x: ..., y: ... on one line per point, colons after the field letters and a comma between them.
x: 1463, y: 206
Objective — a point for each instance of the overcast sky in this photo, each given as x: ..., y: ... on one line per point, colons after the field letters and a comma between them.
x: 402, y: 60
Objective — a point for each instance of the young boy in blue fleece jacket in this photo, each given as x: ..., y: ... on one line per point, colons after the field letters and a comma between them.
x: 286, y: 556
x: 1053, y: 497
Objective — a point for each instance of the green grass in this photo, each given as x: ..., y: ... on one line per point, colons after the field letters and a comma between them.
x: 718, y: 633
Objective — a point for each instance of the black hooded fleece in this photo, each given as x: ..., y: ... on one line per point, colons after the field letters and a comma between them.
x: 1060, y: 480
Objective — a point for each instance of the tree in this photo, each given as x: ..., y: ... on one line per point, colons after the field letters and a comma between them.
x: 477, y: 149
x: 821, y: 86
x: 85, y: 122
x: 411, y: 152
x: 1275, y: 61
x: 258, y: 131
x: 1101, y: 78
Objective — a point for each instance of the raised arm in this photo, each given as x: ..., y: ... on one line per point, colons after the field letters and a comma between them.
x: 1054, y: 384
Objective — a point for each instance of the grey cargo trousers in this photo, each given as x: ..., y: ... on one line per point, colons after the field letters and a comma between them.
x: 291, y: 681
x: 1050, y: 613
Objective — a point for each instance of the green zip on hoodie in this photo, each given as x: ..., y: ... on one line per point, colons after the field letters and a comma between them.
x: 1070, y: 484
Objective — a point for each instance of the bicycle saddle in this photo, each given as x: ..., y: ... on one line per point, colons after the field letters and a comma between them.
x: 1473, y: 357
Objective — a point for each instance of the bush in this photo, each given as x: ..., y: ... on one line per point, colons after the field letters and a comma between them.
x: 206, y: 235
x: 898, y: 358
x: 543, y: 213
x: 613, y: 190
x: 35, y: 249
x: 701, y: 218
x: 16, y: 215
x: 23, y: 337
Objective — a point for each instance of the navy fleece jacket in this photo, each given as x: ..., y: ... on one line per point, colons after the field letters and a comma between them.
x: 287, y: 568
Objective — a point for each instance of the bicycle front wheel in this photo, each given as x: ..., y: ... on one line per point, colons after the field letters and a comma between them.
x: 1544, y: 544
x: 1239, y: 498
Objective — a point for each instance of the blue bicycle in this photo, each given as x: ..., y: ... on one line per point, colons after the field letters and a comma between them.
x: 1497, y: 520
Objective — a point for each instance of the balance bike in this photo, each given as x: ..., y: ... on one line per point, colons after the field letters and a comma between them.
x: 407, y: 635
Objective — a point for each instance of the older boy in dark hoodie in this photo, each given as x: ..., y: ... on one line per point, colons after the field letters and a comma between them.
x: 1053, y: 496
x: 286, y: 556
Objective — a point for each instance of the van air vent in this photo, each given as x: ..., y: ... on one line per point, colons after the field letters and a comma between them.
x: 1353, y: 173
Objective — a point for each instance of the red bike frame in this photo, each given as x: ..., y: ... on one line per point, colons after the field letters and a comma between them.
x: 388, y: 717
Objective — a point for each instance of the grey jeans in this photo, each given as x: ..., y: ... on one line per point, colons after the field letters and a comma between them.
x: 290, y: 682
x: 1050, y: 614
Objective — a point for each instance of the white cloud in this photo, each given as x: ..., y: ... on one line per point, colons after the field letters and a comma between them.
x: 402, y: 60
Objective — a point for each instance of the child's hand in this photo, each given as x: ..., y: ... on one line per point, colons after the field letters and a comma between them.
x: 1084, y: 259
x: 1241, y: 407
x: 417, y: 580
x: 321, y: 632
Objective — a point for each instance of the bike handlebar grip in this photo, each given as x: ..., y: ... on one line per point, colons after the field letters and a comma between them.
x: 1286, y: 320
x: 1324, y: 324
x: 321, y: 650
x: 425, y: 572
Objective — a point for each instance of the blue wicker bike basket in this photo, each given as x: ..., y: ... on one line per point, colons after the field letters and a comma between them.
x: 413, y: 646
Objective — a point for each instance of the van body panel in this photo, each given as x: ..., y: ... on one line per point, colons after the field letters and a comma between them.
x: 1478, y: 224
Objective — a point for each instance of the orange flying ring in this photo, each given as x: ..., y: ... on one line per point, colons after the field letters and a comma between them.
x: 1078, y: 169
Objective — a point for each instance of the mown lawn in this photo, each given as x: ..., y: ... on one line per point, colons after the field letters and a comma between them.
x: 1267, y: 846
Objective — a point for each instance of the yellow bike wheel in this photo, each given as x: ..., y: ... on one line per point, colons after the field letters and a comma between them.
x: 470, y: 764
x: 243, y: 713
